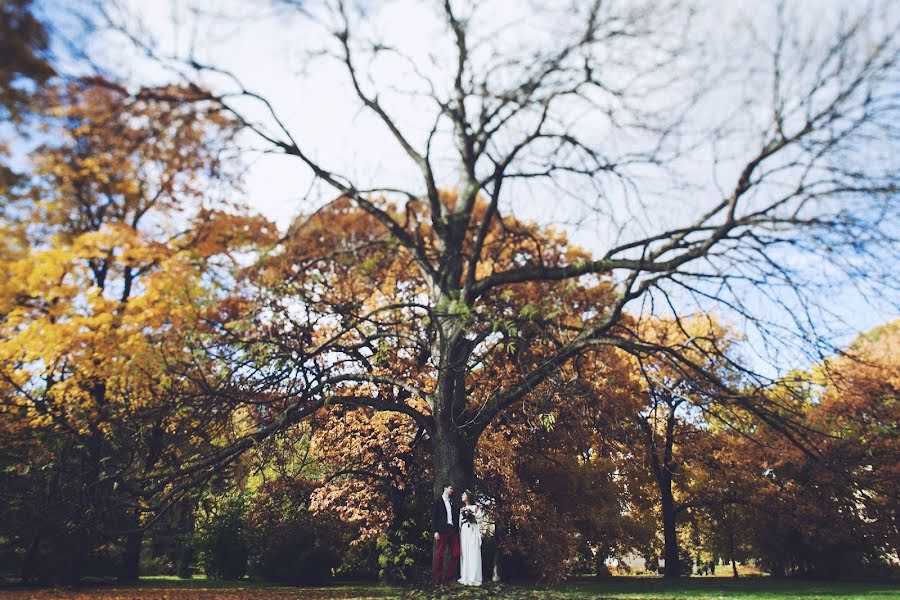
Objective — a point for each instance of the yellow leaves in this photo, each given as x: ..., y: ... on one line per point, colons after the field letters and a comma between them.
x: 243, y: 420
x: 92, y: 310
x: 80, y: 130
x: 61, y: 327
x: 45, y: 272
x: 91, y: 167
x: 13, y: 245
x: 38, y: 420
x: 59, y: 111
x: 120, y: 242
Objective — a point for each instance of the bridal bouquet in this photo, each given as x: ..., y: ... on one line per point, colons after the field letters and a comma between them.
x: 468, y: 515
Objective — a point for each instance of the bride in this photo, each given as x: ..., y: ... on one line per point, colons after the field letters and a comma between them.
x: 470, y: 542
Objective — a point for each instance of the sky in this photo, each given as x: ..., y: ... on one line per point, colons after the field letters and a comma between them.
x: 272, y: 51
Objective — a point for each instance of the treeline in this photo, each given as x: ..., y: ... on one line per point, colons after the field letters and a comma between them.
x: 347, y: 496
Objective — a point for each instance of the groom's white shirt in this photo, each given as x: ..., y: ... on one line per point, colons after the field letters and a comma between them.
x: 449, y: 512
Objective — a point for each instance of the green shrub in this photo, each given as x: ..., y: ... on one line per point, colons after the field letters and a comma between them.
x: 402, y: 552
x: 359, y: 561
x: 221, y: 540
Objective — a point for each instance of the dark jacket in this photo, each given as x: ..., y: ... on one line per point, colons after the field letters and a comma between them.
x: 439, y: 515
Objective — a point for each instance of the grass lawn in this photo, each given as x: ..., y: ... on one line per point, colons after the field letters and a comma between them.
x: 709, y: 588
x: 620, y: 588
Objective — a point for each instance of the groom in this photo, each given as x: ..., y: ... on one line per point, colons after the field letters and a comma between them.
x: 445, y: 516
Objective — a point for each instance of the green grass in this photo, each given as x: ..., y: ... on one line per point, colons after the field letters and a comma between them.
x: 714, y: 588
x: 618, y: 588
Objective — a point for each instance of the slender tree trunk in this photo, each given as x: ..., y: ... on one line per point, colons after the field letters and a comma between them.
x: 184, y: 555
x: 777, y: 570
x: 130, y: 568
x: 731, y: 550
x: 670, y: 530
x: 185, y: 561
x: 131, y: 563
x: 662, y: 467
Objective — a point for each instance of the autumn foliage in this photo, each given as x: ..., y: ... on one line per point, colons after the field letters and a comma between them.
x: 184, y: 386
x: 112, y: 260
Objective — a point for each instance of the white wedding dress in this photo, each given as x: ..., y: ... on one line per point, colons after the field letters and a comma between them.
x: 470, y: 547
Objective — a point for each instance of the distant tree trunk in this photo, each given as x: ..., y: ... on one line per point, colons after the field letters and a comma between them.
x: 184, y: 566
x: 69, y: 565
x: 131, y: 561
x: 498, y: 539
x: 670, y: 530
x: 663, y: 467
x: 731, y: 551
x: 777, y: 570
x: 30, y: 561
x: 600, y: 561
x: 184, y: 559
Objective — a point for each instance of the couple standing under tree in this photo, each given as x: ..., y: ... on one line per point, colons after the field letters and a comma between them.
x: 457, y: 532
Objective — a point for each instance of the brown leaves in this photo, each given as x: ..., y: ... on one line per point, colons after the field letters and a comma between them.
x: 369, y: 459
x: 193, y: 592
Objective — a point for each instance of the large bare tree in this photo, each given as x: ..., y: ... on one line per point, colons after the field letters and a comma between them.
x: 743, y: 168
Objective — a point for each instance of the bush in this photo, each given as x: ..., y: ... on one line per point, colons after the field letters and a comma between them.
x: 156, y: 565
x: 221, y: 540
x: 289, y: 544
x: 300, y: 552
x: 359, y: 562
x: 403, y: 553
x: 515, y: 567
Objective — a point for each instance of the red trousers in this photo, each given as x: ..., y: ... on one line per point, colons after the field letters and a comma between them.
x: 448, y: 537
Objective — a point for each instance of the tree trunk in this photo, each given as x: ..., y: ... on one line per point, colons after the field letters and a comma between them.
x: 454, y: 461
x: 29, y: 564
x: 731, y: 550
x: 184, y: 564
x: 600, y: 562
x: 70, y: 560
x: 662, y: 467
x: 498, y: 542
x: 777, y: 570
x: 131, y: 561
x: 184, y: 556
x: 453, y: 464
x: 670, y: 531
